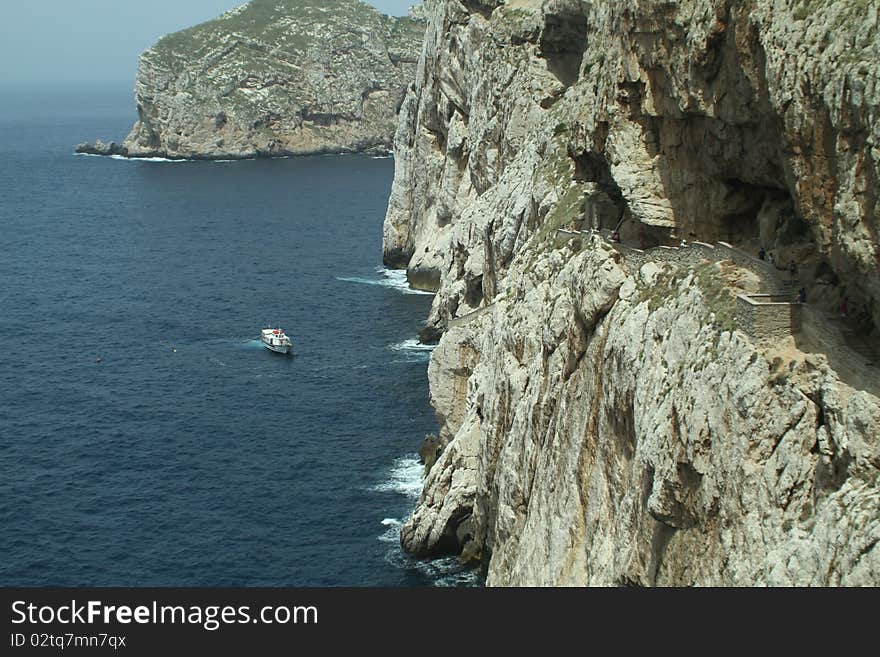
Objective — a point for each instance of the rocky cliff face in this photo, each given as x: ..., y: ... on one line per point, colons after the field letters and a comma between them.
x: 606, y: 423
x: 276, y: 77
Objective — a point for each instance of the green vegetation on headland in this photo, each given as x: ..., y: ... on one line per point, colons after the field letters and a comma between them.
x: 276, y: 25
x: 276, y: 77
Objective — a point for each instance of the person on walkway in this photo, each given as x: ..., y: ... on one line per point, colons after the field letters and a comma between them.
x: 772, y: 259
x: 762, y: 254
x: 802, y: 295
x: 792, y: 269
x: 844, y: 305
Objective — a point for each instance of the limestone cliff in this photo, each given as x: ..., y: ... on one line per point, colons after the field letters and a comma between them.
x: 275, y: 77
x: 605, y: 420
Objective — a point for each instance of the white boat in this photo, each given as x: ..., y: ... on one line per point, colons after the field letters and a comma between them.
x: 275, y: 340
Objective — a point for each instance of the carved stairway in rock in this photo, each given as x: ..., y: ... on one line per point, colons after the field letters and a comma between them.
x: 851, y: 337
x: 786, y: 287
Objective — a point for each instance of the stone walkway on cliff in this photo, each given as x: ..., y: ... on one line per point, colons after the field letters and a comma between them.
x: 855, y: 359
x: 848, y: 352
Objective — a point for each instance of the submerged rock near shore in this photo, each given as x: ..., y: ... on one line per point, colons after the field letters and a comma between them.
x: 273, y: 78
x: 605, y: 418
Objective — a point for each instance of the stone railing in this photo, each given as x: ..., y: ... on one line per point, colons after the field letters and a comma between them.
x: 465, y: 319
x: 767, y: 317
x: 689, y: 255
x: 740, y: 258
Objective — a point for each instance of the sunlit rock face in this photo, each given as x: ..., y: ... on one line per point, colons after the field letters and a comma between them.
x: 605, y: 424
x: 276, y: 77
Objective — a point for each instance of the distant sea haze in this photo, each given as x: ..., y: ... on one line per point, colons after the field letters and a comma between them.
x: 80, y: 43
x: 148, y: 439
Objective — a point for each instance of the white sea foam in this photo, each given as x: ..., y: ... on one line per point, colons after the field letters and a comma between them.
x: 134, y: 159
x: 393, y: 278
x: 116, y: 156
x: 396, y: 278
x: 149, y: 159
x: 413, y: 345
x: 448, y: 571
x: 392, y: 531
x: 404, y: 477
x: 412, y: 351
x: 443, y: 571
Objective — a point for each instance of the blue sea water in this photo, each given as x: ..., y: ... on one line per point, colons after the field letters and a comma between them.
x: 146, y: 438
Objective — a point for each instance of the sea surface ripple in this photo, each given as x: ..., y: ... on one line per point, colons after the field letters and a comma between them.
x: 146, y: 438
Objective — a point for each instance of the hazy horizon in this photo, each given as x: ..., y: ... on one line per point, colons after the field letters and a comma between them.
x: 99, y: 41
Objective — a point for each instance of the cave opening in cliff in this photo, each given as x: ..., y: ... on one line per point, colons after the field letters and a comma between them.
x: 474, y: 293
x: 480, y: 7
x: 825, y: 275
x: 740, y: 228
x: 590, y: 167
x: 563, y: 44
x: 755, y: 216
x: 605, y: 207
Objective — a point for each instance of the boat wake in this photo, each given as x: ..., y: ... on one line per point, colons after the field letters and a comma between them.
x: 393, y: 278
x: 250, y: 343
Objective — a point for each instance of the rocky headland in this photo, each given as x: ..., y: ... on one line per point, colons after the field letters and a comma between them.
x: 606, y: 418
x: 273, y: 78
